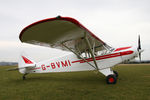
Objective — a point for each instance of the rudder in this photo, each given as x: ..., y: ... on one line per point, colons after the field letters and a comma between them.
x: 24, y: 63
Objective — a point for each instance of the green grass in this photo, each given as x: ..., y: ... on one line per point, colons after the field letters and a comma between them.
x: 133, y: 84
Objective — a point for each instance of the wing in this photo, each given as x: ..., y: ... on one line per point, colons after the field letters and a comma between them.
x: 56, y: 31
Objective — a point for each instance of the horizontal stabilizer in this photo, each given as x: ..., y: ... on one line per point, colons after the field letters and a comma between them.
x: 18, y: 68
x: 13, y: 69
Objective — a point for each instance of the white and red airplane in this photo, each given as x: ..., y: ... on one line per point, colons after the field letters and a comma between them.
x: 88, y: 51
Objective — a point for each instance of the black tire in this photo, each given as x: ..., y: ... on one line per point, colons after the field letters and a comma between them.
x: 111, y: 79
x: 116, y: 73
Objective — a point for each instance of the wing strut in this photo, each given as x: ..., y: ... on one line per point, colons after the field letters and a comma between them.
x: 89, y: 46
x: 79, y: 56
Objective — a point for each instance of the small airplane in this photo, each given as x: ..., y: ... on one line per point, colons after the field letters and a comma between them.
x: 88, y: 51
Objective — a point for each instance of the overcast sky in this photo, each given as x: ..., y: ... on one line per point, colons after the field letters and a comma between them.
x: 117, y: 22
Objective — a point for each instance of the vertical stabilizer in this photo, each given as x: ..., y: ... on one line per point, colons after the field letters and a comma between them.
x: 25, y: 62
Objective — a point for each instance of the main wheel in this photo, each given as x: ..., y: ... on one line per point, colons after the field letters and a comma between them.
x: 111, y: 79
x: 116, y: 73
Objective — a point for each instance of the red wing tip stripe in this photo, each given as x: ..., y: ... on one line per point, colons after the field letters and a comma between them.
x: 105, y: 56
x: 27, y: 61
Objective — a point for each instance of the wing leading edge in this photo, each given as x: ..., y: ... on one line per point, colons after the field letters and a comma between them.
x: 59, y: 31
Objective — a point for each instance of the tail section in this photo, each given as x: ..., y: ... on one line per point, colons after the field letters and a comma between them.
x: 24, y: 63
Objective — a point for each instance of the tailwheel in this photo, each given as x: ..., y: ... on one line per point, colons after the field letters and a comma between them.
x: 111, y: 79
x: 24, y: 76
x: 115, y: 73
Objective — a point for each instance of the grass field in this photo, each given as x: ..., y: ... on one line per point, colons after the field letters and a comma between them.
x: 133, y: 84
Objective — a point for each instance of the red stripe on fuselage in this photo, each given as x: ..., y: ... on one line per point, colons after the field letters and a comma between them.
x: 36, y: 68
x: 106, y: 56
x: 123, y: 48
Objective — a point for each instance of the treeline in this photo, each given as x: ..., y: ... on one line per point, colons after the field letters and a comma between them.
x: 137, y: 62
x: 8, y: 63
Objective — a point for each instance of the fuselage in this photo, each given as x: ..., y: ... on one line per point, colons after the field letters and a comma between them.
x: 71, y: 62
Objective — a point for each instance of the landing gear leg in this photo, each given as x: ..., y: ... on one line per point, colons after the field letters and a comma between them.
x: 115, y: 73
x: 24, y: 76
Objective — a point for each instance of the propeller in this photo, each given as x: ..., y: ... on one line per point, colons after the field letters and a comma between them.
x: 139, y: 48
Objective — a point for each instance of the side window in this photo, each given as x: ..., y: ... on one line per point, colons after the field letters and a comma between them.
x: 103, y: 52
x: 86, y: 55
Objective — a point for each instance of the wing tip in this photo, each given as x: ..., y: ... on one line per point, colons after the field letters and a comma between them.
x: 45, y: 20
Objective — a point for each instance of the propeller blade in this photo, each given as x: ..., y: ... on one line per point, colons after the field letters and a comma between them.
x: 139, y: 43
x: 139, y: 47
x: 140, y: 56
